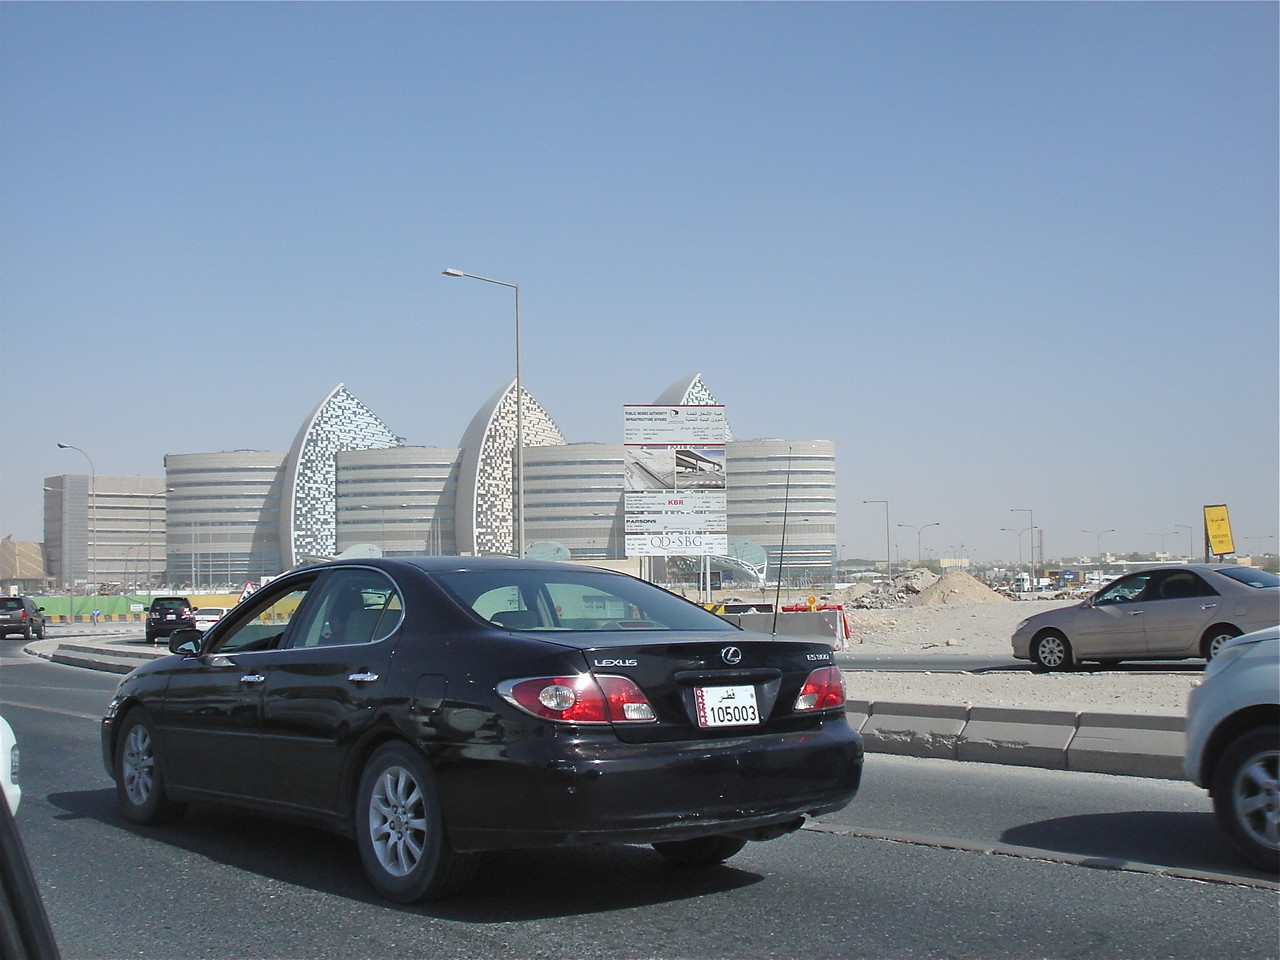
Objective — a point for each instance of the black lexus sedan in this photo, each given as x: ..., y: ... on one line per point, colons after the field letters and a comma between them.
x: 437, y: 707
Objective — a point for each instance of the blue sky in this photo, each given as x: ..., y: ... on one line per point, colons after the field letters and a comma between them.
x: 1006, y: 255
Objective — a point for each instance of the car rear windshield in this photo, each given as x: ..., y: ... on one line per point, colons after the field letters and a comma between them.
x: 1250, y: 576
x: 573, y: 600
x: 10, y: 603
x: 169, y: 604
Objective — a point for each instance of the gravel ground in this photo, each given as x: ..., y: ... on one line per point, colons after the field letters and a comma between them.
x: 985, y: 628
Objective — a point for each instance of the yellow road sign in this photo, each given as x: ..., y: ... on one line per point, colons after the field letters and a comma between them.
x: 1217, y: 526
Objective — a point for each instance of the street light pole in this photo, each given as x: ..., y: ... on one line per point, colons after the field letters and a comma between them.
x: 919, y: 530
x: 1163, y: 549
x: 519, y: 526
x: 1097, y: 549
x: 888, y: 548
x: 1032, y: 518
x: 91, y: 545
x: 1191, y: 541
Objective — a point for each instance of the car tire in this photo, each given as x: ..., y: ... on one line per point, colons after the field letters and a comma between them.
x: 1245, y: 796
x: 701, y: 851
x: 1051, y: 650
x: 139, y: 779
x: 400, y: 831
x: 1214, y: 638
x: 27, y: 634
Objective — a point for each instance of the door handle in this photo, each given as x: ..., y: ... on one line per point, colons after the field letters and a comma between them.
x: 1207, y: 606
x: 1135, y: 613
x: 363, y: 677
x: 252, y: 678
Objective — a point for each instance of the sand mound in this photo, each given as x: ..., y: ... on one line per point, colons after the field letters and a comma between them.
x: 955, y: 586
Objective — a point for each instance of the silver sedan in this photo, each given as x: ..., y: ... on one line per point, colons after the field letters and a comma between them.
x: 1163, y: 613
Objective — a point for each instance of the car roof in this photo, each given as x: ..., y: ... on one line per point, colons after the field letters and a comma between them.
x: 434, y: 564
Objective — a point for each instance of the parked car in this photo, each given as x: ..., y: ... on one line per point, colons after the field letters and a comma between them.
x: 1164, y: 613
x: 206, y: 617
x: 167, y: 614
x: 9, y: 766
x: 437, y: 707
x: 1233, y: 743
x: 21, y: 615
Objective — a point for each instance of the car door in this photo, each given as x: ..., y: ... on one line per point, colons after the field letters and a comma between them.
x: 210, y: 719
x: 1112, y: 622
x: 324, y: 689
x: 1180, y: 607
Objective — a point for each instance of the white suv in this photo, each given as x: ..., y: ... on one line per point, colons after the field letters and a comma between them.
x: 1233, y: 743
x: 9, y: 766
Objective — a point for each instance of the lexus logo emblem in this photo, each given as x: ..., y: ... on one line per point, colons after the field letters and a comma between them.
x: 731, y: 655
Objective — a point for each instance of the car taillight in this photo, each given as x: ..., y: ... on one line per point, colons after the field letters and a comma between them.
x: 584, y: 698
x: 23, y: 616
x: 823, y: 690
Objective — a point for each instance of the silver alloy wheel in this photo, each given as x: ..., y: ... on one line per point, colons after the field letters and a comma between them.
x: 1217, y: 641
x: 137, y: 764
x: 1255, y: 798
x: 397, y: 821
x: 1051, y: 651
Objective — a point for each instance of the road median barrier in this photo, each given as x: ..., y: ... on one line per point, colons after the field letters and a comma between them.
x: 1133, y: 745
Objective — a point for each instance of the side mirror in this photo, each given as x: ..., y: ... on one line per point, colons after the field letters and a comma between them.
x: 186, y: 641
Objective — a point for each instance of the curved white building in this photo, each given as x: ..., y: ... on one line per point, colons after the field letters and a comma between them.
x: 486, y: 480
x: 308, y: 508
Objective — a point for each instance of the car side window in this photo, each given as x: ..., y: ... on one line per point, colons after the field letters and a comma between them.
x: 353, y: 606
x: 1182, y: 584
x: 1125, y: 590
x: 260, y: 625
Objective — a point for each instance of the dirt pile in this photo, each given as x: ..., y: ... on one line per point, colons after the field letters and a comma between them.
x: 904, y: 588
x: 956, y: 586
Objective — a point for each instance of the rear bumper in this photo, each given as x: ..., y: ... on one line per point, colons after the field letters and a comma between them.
x: 165, y: 627
x: 588, y: 789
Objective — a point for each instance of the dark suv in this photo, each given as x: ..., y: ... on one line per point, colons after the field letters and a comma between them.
x: 168, y: 614
x: 21, y: 615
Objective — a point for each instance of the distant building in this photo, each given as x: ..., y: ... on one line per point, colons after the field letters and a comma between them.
x: 348, y: 482
x: 104, y: 530
x: 22, y: 566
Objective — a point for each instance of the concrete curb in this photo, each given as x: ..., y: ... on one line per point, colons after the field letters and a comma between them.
x: 1134, y: 745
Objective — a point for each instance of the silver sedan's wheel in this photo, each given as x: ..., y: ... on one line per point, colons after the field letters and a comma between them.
x: 400, y: 831
x: 1246, y: 796
x: 1214, y: 640
x: 1052, y: 651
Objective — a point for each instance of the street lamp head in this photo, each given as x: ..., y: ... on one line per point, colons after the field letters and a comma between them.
x: 450, y: 272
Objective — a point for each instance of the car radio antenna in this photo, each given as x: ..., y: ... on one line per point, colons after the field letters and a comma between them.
x: 782, y: 546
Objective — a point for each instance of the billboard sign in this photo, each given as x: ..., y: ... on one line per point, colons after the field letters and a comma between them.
x: 1217, y: 529
x: 677, y: 544
x: 674, y: 465
x: 671, y: 425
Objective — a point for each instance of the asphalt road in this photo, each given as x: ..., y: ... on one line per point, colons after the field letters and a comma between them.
x: 934, y: 858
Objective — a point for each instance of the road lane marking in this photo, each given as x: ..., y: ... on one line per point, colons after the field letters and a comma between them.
x: 6, y: 702
x: 1048, y: 856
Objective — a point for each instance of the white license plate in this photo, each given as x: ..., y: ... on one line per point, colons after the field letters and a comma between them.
x: 726, y: 706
